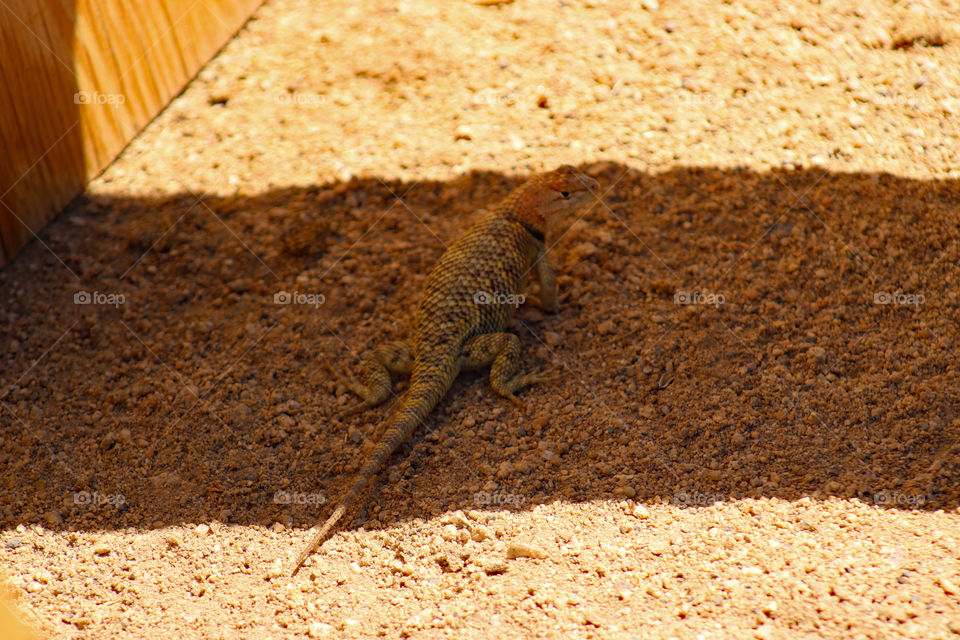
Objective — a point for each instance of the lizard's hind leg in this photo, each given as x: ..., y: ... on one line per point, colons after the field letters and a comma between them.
x: 502, y: 351
x: 392, y: 357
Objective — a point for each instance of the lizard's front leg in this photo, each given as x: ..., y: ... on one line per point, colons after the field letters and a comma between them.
x: 392, y: 357
x: 547, y: 280
x: 502, y: 350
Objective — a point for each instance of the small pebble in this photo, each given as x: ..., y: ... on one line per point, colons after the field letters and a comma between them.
x: 948, y: 586
x: 53, y: 519
x: 518, y: 549
x: 274, y: 570
x: 319, y: 630
x: 658, y: 547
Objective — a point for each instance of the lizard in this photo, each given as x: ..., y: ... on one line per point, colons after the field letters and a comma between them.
x: 460, y: 323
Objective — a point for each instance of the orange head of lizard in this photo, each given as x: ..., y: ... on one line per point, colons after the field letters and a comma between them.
x: 547, y: 196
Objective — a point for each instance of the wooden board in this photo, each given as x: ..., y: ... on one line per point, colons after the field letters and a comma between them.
x: 80, y: 79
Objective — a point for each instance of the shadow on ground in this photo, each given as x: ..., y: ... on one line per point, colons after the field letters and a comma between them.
x: 723, y: 333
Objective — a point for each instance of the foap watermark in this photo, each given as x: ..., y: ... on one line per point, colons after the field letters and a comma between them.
x: 689, y: 97
x: 297, y: 497
x: 99, y: 297
x: 698, y: 297
x: 296, y: 297
x: 95, y: 97
x: 899, y: 298
x: 898, y: 100
x: 300, y: 99
x: 897, y: 499
x: 493, y: 97
x: 697, y: 498
x: 485, y: 297
x: 96, y: 499
x: 496, y: 498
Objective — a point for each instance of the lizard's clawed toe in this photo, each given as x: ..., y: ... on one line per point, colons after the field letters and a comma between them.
x: 349, y: 411
x: 517, y: 402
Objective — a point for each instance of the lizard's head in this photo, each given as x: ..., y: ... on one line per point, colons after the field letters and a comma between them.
x: 547, y: 196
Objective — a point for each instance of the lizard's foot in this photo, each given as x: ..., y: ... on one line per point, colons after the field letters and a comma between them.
x: 357, y: 408
x: 346, y: 379
x: 517, y: 402
x: 502, y: 350
x: 518, y: 382
x: 392, y: 357
x: 548, y: 375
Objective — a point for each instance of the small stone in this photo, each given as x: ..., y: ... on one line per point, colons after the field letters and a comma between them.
x: 626, y: 527
x: 948, y: 587
x: 239, y: 286
x: 658, y: 547
x: 275, y: 570
x: 13, y: 543
x: 479, y: 534
x: 202, y: 530
x: 519, y: 549
x: 449, y: 533
x: 101, y: 549
x: 53, y: 519
x: 552, y: 338
x: 842, y: 594
x: 585, y: 249
x: 495, y: 568
x: 641, y: 512
x: 763, y: 632
x: 420, y: 620
x: 319, y: 629
x: 591, y: 616
x: 606, y: 327
x: 458, y: 520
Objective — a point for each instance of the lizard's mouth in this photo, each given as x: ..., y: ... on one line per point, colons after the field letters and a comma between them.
x: 582, y: 197
x: 590, y: 184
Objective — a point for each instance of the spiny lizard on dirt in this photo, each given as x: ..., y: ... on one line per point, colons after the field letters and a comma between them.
x: 470, y: 296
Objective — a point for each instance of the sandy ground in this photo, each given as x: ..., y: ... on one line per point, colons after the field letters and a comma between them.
x: 756, y: 433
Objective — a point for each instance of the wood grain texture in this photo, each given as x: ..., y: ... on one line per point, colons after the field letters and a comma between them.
x: 80, y: 80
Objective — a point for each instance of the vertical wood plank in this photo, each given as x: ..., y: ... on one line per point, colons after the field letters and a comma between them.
x: 126, y: 59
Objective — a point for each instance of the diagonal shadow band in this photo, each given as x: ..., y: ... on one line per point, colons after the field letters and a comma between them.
x: 801, y: 384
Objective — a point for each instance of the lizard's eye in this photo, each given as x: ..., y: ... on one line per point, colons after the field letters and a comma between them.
x: 565, y: 194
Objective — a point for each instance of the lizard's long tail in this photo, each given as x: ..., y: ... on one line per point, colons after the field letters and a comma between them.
x: 428, y: 385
